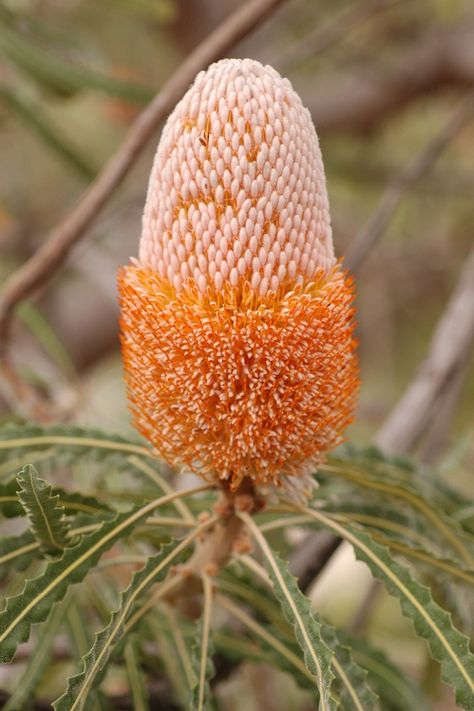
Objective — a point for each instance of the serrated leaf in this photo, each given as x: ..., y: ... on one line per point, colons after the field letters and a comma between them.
x: 71, y: 501
x: 45, y: 514
x: 458, y: 573
x: 34, y: 602
x: 350, y: 684
x: 94, y: 662
x: 447, y: 645
x: 296, y: 609
x: 17, y: 552
x: 202, y: 653
x: 81, y: 639
x: 398, y: 483
x: 37, y: 661
x: 275, y: 647
x: 397, y: 538
x: 68, y: 441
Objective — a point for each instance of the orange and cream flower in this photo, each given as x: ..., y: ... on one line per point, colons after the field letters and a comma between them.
x: 237, y: 320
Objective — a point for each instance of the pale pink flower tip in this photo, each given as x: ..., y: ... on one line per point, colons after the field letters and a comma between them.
x: 237, y: 193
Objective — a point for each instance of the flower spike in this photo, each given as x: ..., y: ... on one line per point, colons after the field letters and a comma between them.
x: 237, y: 320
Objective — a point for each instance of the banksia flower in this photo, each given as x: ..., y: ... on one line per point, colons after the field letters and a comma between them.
x: 237, y: 330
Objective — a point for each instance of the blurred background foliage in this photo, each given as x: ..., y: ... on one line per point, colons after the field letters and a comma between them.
x: 380, y: 78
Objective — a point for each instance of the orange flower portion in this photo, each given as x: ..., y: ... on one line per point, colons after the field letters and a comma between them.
x: 237, y: 320
x: 233, y: 386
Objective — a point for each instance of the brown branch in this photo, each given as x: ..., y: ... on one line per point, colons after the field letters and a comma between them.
x: 52, y: 255
x: 335, y: 29
x: 362, y: 615
x: 310, y: 557
x: 436, y: 438
x: 449, y: 349
x: 402, y: 182
x: 361, y: 98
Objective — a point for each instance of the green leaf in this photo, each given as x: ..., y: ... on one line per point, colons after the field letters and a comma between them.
x: 45, y: 514
x: 241, y: 648
x: 396, y: 537
x: 167, y: 631
x: 9, y: 504
x: 387, y: 481
x: 32, y: 605
x: 37, y: 661
x: 202, y: 653
x: 350, y: 683
x: 237, y: 582
x: 79, y: 686
x: 135, y: 677
x: 76, y: 503
x: 388, y: 517
x: 296, y: 608
x: 275, y: 647
x: 58, y: 74
x: 457, y: 573
x: 81, y: 639
x: 447, y: 645
x: 68, y: 442
x: 71, y: 501
x: 17, y: 552
x: 34, y: 119
x: 397, y: 692
x: 155, y: 10
x: 41, y: 328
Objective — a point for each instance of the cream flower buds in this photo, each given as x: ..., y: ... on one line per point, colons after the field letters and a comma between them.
x: 237, y: 328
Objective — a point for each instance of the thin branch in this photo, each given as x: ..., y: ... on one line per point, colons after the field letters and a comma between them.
x: 436, y: 438
x: 402, y: 182
x: 335, y: 29
x: 359, y: 99
x: 52, y: 255
x: 364, y: 611
x: 450, y: 346
x: 310, y: 557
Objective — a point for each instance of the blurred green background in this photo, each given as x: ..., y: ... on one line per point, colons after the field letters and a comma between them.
x: 380, y: 78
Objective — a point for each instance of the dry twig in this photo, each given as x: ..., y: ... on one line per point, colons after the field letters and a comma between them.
x: 332, y: 31
x: 51, y: 256
x: 449, y: 349
x: 402, y: 182
x: 361, y: 98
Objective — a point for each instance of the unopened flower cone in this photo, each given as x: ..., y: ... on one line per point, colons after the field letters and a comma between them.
x: 237, y: 319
